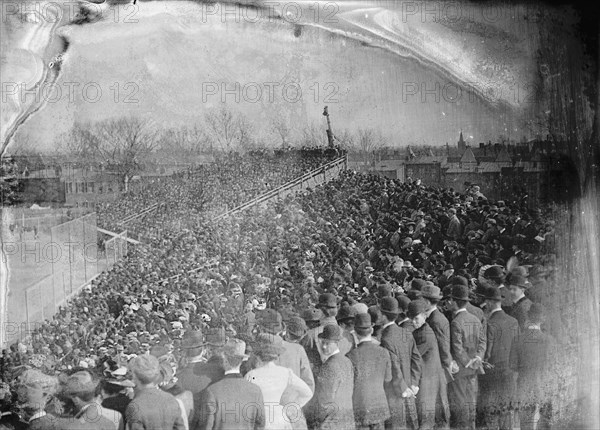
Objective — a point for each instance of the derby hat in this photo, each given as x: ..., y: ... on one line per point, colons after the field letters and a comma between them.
x: 216, y: 336
x: 331, y: 332
x: 312, y: 314
x: 271, y: 320
x: 415, y: 308
x: 389, y: 305
x: 345, y: 313
x: 403, y: 302
x: 235, y: 348
x: 327, y: 300
x: 517, y: 281
x: 363, y: 321
x: 459, y: 292
x: 431, y: 292
x: 296, y: 327
x: 192, y: 339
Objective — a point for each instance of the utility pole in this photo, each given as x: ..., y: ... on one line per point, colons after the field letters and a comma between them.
x: 329, y: 131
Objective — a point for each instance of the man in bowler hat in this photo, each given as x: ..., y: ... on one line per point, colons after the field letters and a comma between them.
x: 331, y: 407
x: 406, y: 368
x: 467, y: 345
x: 372, y: 371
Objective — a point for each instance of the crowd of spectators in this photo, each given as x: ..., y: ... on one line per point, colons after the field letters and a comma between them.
x: 190, y: 196
x: 365, y: 246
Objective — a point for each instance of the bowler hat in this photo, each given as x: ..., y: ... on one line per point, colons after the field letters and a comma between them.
x: 459, y: 292
x: 296, y: 326
x: 327, y: 300
x: 384, y: 290
x: 418, y: 284
x: 389, y: 305
x: 403, y: 302
x: 517, y: 281
x: 375, y: 314
x: 363, y: 321
x: 331, y: 332
x: 80, y: 382
x: 216, y: 336
x: 459, y: 280
x: 192, y: 339
x: 235, y: 348
x: 312, y: 314
x: 345, y: 313
x: 270, y: 320
x: 431, y: 292
x: 415, y: 308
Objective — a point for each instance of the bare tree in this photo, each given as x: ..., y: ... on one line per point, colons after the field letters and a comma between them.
x: 368, y: 142
x: 280, y: 126
x: 313, y: 135
x: 119, y: 144
x: 229, y: 129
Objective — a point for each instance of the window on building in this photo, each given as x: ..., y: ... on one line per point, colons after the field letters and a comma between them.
x: 76, y: 187
x: 90, y: 187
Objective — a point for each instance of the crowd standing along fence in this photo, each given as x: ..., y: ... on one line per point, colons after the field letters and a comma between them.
x: 45, y: 272
x: 311, y: 180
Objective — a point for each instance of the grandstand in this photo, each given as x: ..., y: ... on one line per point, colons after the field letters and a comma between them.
x: 319, y: 229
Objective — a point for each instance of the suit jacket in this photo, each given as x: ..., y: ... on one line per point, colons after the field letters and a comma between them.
x: 497, y: 386
x: 454, y: 228
x: 478, y: 312
x: 502, y: 331
x: 433, y: 394
x: 530, y: 358
x: 231, y: 403
x: 153, y: 409
x: 294, y: 357
x: 312, y: 346
x: 406, y: 360
x: 332, y: 406
x: 407, y: 325
x: 441, y: 328
x: 468, y: 339
x: 520, y: 309
x: 372, y: 370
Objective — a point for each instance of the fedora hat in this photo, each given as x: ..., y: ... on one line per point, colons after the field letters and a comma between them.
x: 431, y: 292
x: 192, y: 339
x: 80, y: 383
x: 271, y: 320
x: 417, y: 284
x: 216, y: 336
x: 331, y: 332
x: 296, y: 326
x: 459, y: 292
x: 363, y: 321
x: 327, y: 300
x: 517, y: 281
x: 235, y: 348
x: 390, y: 305
x: 415, y: 308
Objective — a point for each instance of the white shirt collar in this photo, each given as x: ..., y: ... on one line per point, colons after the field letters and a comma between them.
x: 38, y: 414
x: 403, y: 321
x: 229, y: 372
x: 365, y: 339
x: 387, y: 325
x: 495, y: 310
x: 534, y: 327
x: 459, y: 311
